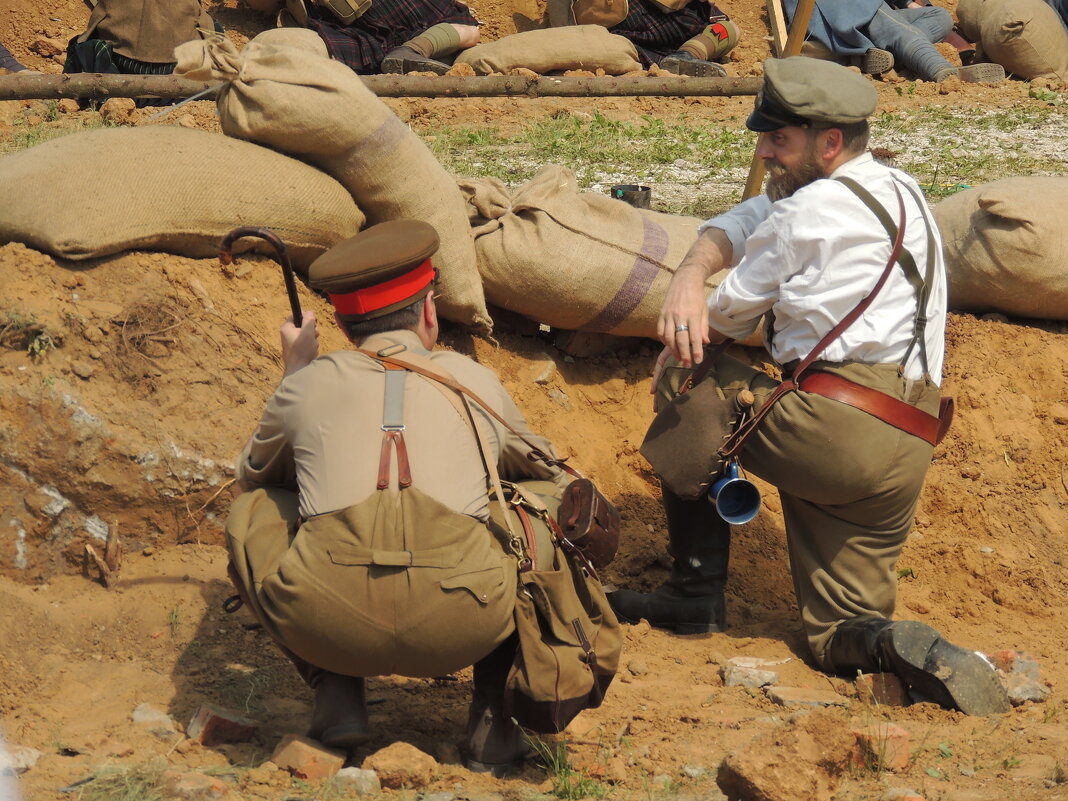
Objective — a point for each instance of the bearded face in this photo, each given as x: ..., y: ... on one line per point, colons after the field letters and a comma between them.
x: 783, y: 180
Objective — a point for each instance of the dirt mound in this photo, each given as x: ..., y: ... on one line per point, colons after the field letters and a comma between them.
x: 128, y: 384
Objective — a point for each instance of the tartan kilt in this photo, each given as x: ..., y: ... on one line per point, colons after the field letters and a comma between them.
x: 656, y: 32
x: 386, y: 24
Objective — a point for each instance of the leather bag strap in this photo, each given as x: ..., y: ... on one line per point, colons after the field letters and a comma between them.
x: 535, y: 454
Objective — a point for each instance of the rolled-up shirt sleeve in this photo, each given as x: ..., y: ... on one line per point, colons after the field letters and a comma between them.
x: 752, y: 288
x: 739, y: 223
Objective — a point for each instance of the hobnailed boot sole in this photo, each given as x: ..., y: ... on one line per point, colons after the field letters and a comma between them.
x: 982, y: 73
x: 943, y: 672
x: 876, y: 61
x: 632, y: 607
x: 693, y: 69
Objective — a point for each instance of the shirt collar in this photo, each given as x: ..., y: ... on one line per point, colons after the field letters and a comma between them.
x: 388, y: 339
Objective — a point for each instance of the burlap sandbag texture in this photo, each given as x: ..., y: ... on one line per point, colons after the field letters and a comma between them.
x: 575, y: 260
x: 397, y: 584
x: 1006, y: 247
x: 579, y: 47
x: 100, y: 192
x: 284, y: 92
x: 1026, y: 37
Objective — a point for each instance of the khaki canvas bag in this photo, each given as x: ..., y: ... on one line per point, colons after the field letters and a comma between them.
x: 96, y: 193
x: 1006, y: 247
x: 346, y: 11
x: 580, y: 47
x: 284, y: 92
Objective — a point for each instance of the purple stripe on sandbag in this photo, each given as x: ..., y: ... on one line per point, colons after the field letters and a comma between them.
x: 382, y: 143
x: 636, y: 286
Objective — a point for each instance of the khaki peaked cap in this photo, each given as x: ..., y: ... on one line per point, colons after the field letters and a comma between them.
x: 811, y: 93
x: 382, y: 269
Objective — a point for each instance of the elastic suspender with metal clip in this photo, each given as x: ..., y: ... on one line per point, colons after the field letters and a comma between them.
x: 393, y: 430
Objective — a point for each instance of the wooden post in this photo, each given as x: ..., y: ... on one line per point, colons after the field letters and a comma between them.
x: 798, y: 31
x: 99, y: 87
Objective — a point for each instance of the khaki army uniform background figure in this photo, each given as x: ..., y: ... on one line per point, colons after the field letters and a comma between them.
x: 137, y: 37
x: 361, y: 542
x: 849, y: 480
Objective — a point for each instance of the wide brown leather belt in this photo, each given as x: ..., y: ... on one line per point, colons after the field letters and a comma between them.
x: 887, y: 408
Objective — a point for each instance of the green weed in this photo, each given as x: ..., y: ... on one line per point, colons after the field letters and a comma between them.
x: 568, y: 783
x: 174, y: 621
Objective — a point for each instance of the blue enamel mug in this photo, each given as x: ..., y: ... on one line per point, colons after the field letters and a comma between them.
x: 737, y: 500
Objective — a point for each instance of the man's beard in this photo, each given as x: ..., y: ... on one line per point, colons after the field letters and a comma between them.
x: 784, y: 181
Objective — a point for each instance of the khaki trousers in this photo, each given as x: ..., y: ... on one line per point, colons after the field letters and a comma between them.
x: 849, y: 484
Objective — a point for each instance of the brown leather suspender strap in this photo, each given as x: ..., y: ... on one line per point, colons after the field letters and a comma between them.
x: 736, y: 441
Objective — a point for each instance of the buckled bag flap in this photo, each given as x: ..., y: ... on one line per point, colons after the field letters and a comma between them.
x: 683, y: 441
x: 347, y: 11
x: 605, y: 13
x: 569, y: 646
x: 590, y: 521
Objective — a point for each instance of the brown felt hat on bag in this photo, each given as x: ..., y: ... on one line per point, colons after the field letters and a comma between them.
x: 810, y: 93
x: 380, y: 270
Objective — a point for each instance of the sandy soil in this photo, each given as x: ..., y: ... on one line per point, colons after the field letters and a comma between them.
x: 163, y: 366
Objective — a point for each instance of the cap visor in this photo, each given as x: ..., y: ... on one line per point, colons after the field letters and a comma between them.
x: 761, y: 124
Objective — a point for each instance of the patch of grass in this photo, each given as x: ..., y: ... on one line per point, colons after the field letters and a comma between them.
x: 244, y: 687
x: 568, y: 784
x: 139, y: 783
x: 174, y: 620
x: 24, y: 135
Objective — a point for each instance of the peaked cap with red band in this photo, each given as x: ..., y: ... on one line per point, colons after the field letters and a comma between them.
x: 382, y: 269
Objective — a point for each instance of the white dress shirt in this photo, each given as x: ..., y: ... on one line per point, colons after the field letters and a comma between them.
x: 809, y: 259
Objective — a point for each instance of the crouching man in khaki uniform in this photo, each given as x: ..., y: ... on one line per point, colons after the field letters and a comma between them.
x: 361, y: 541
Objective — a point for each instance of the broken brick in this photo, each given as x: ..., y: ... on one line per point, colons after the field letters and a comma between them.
x: 882, y: 688
x: 212, y: 725
x: 882, y: 746
x: 306, y: 759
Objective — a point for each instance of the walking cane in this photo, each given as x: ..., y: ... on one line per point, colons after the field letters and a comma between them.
x: 226, y: 257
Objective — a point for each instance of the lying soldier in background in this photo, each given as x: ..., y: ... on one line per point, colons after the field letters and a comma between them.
x: 391, y: 36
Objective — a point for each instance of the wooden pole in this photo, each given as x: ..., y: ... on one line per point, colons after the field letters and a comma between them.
x: 85, y: 86
x: 798, y: 31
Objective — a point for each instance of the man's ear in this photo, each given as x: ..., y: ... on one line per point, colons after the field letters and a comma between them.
x: 430, y: 310
x: 832, y: 143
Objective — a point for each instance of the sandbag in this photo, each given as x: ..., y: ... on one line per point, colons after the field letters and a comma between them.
x: 578, y: 47
x: 1026, y: 37
x: 575, y: 260
x: 1006, y: 247
x: 283, y: 91
x: 166, y: 188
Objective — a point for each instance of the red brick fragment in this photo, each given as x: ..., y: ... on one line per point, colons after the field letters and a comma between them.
x: 882, y: 745
x: 882, y: 688
x: 212, y: 725
x: 306, y: 759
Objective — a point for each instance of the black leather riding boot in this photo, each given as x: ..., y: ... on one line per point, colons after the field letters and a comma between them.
x: 339, y: 719
x: 933, y: 668
x: 494, y: 743
x: 691, y: 601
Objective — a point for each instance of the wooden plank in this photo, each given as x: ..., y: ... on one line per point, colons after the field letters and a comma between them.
x: 777, y: 23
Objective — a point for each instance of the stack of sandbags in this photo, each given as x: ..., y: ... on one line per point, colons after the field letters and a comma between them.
x: 544, y: 50
x: 283, y: 91
x: 100, y: 192
x: 575, y: 260
x: 1026, y: 37
x: 1006, y: 247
